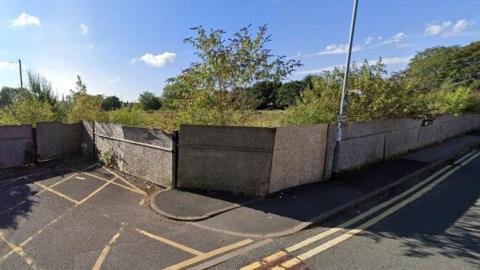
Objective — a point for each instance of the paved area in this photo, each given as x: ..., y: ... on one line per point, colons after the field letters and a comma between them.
x: 433, y: 225
x: 63, y: 218
x: 292, y: 210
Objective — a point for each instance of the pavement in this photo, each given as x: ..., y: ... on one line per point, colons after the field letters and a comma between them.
x: 89, y: 217
x: 293, y: 210
x: 433, y: 225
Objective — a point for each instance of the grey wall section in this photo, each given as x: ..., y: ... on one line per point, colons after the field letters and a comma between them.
x: 149, y: 163
x: 235, y: 159
x: 88, y: 143
x: 368, y: 142
x: 16, y: 145
x: 57, y: 140
x: 137, y: 151
x: 298, y: 156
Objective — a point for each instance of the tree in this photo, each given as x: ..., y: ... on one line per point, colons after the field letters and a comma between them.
x: 286, y: 95
x: 41, y: 89
x: 433, y: 67
x: 9, y: 94
x: 264, y: 92
x: 148, y: 101
x: 27, y: 110
x: 224, y: 66
x: 111, y: 103
x: 85, y: 106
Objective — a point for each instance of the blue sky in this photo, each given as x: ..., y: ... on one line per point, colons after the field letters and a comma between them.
x: 126, y: 47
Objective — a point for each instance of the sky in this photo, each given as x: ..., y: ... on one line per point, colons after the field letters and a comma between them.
x: 126, y: 47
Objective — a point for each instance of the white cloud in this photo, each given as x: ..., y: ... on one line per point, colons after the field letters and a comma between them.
x: 83, y: 29
x: 398, y: 37
x: 158, y: 60
x: 26, y: 19
x: 114, y: 80
x: 389, y: 61
x: 460, y: 26
x: 435, y: 29
x: 338, y: 49
x: 447, y: 28
x: 8, y: 65
x: 395, y: 60
x: 318, y: 70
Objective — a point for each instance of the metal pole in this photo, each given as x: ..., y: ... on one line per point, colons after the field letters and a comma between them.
x: 20, y: 69
x: 342, y: 115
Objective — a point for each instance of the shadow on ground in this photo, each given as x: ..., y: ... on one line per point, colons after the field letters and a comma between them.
x: 18, y: 191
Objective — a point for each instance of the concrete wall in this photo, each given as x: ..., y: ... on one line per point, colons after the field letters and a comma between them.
x: 142, y: 152
x: 235, y: 159
x: 57, y: 140
x: 16, y: 145
x: 298, y: 156
x: 368, y: 142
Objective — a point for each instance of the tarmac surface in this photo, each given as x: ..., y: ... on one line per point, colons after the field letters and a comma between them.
x: 436, y: 226
x: 61, y: 218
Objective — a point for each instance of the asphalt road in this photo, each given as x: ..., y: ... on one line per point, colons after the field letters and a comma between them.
x: 436, y: 226
x: 95, y: 219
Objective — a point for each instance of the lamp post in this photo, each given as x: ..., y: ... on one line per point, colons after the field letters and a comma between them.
x: 342, y: 115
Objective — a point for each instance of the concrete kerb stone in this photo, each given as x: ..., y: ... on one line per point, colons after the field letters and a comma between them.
x: 195, y: 218
x: 408, y: 179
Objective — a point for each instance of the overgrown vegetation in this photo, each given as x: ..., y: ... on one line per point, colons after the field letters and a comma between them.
x: 238, y: 81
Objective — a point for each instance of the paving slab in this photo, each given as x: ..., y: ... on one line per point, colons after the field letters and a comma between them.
x: 79, y: 186
x: 186, y: 205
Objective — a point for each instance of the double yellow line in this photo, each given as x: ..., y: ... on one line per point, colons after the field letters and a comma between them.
x: 415, y: 192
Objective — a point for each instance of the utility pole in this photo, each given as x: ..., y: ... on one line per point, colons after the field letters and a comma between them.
x: 20, y: 69
x: 342, y: 115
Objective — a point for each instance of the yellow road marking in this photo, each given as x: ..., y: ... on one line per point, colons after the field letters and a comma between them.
x: 266, y: 261
x: 371, y: 211
x: 210, y: 254
x: 106, y: 249
x: 123, y: 180
x: 73, y: 175
x: 57, y: 193
x: 371, y: 222
x: 171, y: 243
x: 96, y: 191
x: 19, y: 251
x: 114, y: 183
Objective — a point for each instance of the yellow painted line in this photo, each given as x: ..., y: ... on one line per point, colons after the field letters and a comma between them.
x: 275, y: 257
x: 123, y: 180
x: 96, y: 191
x: 57, y: 193
x: 106, y: 249
x: 362, y: 216
x: 19, y: 251
x: 358, y: 218
x: 252, y: 266
x: 371, y: 222
x: 210, y: 254
x: 266, y: 261
x: 171, y: 243
x: 114, y: 183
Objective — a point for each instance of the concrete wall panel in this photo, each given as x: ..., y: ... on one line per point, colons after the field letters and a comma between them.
x: 236, y: 159
x: 149, y: 163
x: 16, y: 145
x: 57, y: 140
x: 298, y: 156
